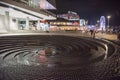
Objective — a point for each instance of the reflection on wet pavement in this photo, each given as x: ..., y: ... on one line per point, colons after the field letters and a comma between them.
x: 57, y: 58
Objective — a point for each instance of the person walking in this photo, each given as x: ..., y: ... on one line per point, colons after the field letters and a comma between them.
x: 94, y: 32
x: 91, y: 31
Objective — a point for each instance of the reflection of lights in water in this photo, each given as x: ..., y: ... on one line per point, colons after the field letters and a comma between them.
x: 42, y: 56
x: 106, y: 52
x: 43, y: 59
x: 26, y: 62
x: 53, y: 52
x: 50, y: 65
x: 44, y: 53
x: 41, y: 52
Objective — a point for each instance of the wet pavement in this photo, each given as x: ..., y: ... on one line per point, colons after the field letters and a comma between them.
x: 58, y: 57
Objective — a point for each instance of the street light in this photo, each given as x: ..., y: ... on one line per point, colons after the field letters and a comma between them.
x: 108, y: 17
x: 98, y: 21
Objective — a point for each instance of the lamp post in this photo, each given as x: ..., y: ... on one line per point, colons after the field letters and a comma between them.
x: 108, y: 17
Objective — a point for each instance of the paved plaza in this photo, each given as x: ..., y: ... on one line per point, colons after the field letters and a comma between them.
x: 72, y: 33
x: 59, y: 56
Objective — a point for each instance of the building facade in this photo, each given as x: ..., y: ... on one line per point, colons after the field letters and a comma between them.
x: 24, y: 14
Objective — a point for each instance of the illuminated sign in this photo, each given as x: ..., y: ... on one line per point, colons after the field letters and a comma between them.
x: 70, y: 16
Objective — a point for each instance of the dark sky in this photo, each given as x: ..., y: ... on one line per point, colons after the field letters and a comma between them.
x: 91, y: 9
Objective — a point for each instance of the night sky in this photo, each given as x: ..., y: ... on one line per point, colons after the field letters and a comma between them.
x: 91, y: 10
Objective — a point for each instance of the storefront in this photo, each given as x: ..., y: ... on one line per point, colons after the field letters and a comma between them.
x: 63, y: 24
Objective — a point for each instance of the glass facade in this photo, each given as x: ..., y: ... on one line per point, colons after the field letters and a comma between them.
x: 40, y: 4
x: 33, y: 3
